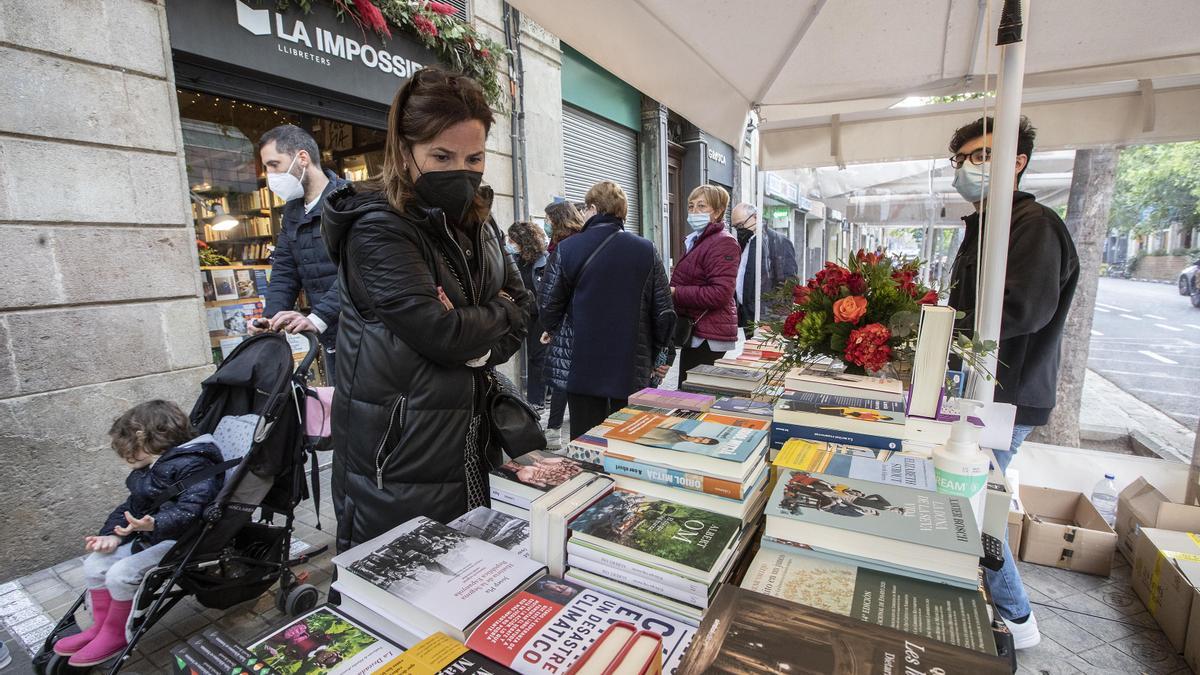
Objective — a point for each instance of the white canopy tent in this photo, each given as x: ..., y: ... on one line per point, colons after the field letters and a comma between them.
x: 824, y: 75
x: 713, y: 61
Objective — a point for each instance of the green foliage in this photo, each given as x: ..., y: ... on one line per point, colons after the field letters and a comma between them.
x: 1156, y: 185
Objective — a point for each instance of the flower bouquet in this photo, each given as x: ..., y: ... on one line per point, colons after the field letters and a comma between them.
x: 864, y: 313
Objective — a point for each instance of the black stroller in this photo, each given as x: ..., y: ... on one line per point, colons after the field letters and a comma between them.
x: 253, y: 406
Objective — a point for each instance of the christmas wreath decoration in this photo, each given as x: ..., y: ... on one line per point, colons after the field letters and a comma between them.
x: 456, y: 42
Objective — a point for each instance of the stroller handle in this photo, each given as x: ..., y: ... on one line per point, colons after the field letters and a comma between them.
x: 313, y: 349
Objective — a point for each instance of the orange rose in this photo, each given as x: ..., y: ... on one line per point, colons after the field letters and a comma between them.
x: 850, y: 309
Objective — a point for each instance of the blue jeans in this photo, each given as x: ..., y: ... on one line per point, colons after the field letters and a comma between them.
x: 1005, y: 585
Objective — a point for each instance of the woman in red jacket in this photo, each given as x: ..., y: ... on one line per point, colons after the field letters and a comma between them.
x: 704, y: 280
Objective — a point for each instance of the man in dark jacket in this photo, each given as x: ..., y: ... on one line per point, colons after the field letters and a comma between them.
x: 301, y: 261
x: 611, y: 288
x: 1038, y: 286
x: 778, y: 265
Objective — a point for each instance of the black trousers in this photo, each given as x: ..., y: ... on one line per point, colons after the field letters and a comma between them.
x: 558, y: 407
x: 589, y: 411
x: 690, y: 357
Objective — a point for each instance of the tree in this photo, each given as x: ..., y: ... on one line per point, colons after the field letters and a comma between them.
x: 1157, y: 185
x: 1088, y: 207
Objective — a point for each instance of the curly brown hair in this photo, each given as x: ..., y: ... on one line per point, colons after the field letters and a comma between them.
x: 565, y: 220
x: 152, y: 427
x: 529, y: 240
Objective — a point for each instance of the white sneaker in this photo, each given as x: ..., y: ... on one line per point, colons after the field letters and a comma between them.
x: 1025, y: 635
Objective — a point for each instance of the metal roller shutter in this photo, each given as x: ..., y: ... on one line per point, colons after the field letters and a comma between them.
x: 595, y: 149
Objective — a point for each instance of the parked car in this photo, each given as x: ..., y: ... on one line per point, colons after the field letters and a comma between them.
x: 1188, y: 279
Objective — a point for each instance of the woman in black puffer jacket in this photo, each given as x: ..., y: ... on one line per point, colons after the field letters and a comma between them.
x: 565, y: 220
x: 430, y: 303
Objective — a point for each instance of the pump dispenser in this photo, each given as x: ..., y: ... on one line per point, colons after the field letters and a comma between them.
x: 960, y: 466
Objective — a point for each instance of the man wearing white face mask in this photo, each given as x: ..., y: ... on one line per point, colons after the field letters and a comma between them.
x: 300, y: 261
x: 1039, y: 284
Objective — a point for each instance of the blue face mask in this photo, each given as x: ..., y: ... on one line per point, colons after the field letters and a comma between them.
x: 511, y: 248
x: 698, y: 221
x: 970, y: 181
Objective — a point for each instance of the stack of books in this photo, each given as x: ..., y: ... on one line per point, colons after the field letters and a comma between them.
x: 748, y: 632
x: 725, y: 380
x: 838, y: 418
x: 655, y: 553
x: 710, y: 461
x: 423, y: 578
x: 821, y: 381
x: 669, y: 398
x: 888, y: 528
x: 850, y: 461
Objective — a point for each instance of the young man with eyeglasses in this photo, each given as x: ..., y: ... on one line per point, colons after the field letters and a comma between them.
x: 1038, y: 286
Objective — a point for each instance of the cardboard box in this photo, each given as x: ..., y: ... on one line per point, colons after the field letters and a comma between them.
x: 1143, y: 505
x: 1191, y: 647
x: 1016, y: 522
x: 1166, y: 571
x: 1062, y: 529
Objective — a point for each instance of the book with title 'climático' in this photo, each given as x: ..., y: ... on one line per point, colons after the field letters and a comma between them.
x: 748, y: 632
x: 549, y: 626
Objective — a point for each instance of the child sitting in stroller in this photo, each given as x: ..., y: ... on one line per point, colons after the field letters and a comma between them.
x: 153, y: 439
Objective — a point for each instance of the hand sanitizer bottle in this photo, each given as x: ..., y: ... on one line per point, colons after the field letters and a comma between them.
x: 960, y: 466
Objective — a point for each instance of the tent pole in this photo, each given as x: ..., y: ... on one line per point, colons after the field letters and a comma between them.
x: 990, y: 289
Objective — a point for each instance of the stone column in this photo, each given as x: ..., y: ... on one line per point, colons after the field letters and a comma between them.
x: 652, y: 155
x: 101, y: 306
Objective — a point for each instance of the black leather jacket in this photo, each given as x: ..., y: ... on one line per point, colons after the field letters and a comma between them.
x: 405, y: 396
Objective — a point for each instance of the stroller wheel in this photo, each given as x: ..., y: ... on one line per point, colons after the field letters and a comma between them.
x: 58, y: 665
x: 41, y: 660
x: 301, y: 599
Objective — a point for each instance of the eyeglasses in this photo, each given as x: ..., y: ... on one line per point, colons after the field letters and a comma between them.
x: 979, y: 156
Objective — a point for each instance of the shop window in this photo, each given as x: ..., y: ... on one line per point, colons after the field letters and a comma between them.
x: 236, y: 217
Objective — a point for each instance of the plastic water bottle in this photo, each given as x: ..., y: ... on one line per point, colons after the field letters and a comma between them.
x: 1104, y: 498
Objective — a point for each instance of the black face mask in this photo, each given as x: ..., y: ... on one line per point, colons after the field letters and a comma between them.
x: 743, y: 235
x: 451, y: 191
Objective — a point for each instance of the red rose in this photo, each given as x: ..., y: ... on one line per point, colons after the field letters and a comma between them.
x: 868, y: 346
x: 930, y: 298
x: 831, y: 279
x: 800, y: 294
x: 789, y: 324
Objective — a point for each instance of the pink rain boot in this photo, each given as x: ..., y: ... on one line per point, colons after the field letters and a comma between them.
x: 110, y: 640
x: 73, y: 643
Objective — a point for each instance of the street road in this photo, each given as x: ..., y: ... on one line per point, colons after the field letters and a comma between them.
x: 1146, y: 340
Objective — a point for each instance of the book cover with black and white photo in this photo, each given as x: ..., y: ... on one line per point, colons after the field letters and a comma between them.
x: 432, y: 576
x: 508, y: 532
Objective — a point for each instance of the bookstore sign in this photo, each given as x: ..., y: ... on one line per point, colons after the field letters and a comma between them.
x: 316, y: 49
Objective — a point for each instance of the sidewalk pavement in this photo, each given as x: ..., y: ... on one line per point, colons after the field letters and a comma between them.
x: 1109, y: 414
x: 32, y: 605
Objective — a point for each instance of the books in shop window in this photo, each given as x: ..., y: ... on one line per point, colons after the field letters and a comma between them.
x: 748, y: 632
x: 848, y: 461
x: 952, y: 615
x: 324, y: 640
x: 670, y: 398
x: 914, y: 532
x: 433, y: 578
x: 224, y: 284
x: 549, y: 625
x: 691, y: 543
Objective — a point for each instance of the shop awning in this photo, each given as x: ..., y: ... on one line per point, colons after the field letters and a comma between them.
x: 713, y: 61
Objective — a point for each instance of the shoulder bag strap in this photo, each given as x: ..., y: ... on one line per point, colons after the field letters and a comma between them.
x: 592, y: 257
